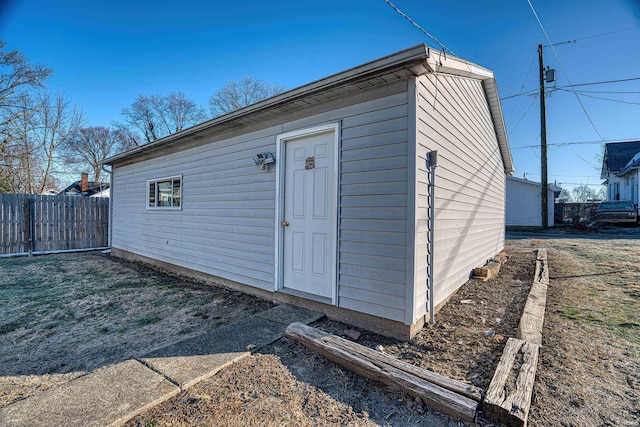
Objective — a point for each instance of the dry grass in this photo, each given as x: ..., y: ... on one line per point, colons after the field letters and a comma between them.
x: 589, y: 369
x: 65, y: 315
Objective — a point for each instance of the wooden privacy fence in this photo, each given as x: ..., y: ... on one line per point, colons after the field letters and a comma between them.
x: 35, y: 223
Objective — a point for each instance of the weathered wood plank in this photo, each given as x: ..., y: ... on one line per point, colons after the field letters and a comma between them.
x: 508, y: 398
x: 415, y: 381
x: 532, y: 319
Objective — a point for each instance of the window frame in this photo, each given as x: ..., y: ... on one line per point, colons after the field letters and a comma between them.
x: 171, y: 180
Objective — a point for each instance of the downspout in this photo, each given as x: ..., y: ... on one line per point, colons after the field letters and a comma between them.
x: 432, y: 161
x: 110, y: 230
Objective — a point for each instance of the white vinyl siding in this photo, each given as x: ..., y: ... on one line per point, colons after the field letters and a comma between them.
x: 454, y: 118
x: 523, y: 203
x: 226, y: 226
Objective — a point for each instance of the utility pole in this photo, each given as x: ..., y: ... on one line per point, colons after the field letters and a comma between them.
x: 543, y: 142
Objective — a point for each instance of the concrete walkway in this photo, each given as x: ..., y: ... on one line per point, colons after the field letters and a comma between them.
x: 114, y: 394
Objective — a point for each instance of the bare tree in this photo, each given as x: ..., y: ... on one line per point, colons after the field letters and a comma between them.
x: 565, y: 196
x: 89, y: 146
x: 17, y: 76
x: 235, y: 95
x: 41, y: 124
x: 16, y: 73
x: 157, y: 116
x: 583, y: 193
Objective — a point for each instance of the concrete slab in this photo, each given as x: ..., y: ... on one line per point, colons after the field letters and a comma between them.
x: 189, y: 370
x: 107, y: 396
x: 288, y: 314
x: 192, y: 360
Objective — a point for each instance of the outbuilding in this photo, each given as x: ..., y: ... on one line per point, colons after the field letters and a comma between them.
x: 524, y: 206
x: 321, y: 196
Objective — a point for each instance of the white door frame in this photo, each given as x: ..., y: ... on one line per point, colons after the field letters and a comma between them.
x: 280, y: 179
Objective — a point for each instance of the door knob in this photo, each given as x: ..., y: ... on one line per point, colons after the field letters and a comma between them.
x: 285, y: 224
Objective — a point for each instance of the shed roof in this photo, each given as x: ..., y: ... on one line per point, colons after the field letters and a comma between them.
x: 398, y: 66
x: 617, y: 155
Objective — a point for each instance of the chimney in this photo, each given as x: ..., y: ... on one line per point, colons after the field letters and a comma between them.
x: 84, y: 182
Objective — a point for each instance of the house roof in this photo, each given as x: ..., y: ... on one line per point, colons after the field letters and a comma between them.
x: 533, y: 183
x: 398, y: 66
x: 76, y: 188
x: 617, y: 155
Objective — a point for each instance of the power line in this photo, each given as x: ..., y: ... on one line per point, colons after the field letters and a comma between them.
x: 596, y: 35
x: 601, y: 83
x: 522, y: 117
x: 563, y: 144
x: 534, y: 91
x: 415, y: 24
x: 622, y: 92
x: 524, y: 82
x: 563, y: 69
x: 600, y: 97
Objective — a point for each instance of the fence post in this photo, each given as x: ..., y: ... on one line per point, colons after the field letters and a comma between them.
x: 28, y: 224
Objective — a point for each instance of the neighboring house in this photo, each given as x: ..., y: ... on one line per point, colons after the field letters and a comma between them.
x: 524, y: 204
x: 340, y: 222
x: 620, y: 169
x: 87, y: 188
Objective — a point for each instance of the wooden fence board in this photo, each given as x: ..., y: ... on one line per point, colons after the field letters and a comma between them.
x: 52, y: 222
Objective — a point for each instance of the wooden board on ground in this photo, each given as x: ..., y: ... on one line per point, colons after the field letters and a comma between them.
x: 508, y: 398
x: 434, y: 390
x: 532, y: 320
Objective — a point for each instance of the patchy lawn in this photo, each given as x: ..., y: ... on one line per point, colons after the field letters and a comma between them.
x: 64, y: 315
x: 589, y: 367
x: 588, y: 372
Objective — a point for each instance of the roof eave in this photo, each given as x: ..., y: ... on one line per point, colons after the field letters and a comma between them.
x: 416, y: 59
x: 459, y: 67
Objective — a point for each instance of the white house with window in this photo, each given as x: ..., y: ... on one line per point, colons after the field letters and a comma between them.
x: 621, y: 169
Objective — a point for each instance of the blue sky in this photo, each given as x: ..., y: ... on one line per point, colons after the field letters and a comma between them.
x: 104, y: 53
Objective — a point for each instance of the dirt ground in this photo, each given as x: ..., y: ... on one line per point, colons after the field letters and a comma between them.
x: 291, y: 385
x: 64, y: 315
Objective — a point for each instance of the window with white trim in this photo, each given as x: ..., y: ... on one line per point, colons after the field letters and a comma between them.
x: 164, y: 193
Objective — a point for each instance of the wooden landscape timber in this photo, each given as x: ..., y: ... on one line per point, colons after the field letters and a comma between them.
x: 448, y: 396
x: 508, y: 398
x: 531, y: 322
x: 491, y: 269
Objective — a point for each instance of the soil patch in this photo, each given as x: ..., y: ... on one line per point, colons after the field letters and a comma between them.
x: 65, y: 315
x: 303, y: 388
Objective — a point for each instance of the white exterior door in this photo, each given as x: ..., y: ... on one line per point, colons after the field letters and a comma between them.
x: 308, y: 216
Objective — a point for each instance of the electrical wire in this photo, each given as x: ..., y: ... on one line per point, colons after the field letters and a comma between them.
x: 522, y: 117
x: 564, y: 70
x: 415, y: 24
x: 534, y: 91
x: 524, y: 82
x: 564, y: 144
x: 596, y: 35
x: 601, y: 83
x: 600, y: 97
x: 623, y: 92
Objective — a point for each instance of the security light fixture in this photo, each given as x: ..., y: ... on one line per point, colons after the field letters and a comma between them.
x: 263, y: 159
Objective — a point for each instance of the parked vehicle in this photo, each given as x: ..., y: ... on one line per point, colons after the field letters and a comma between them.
x: 619, y: 211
